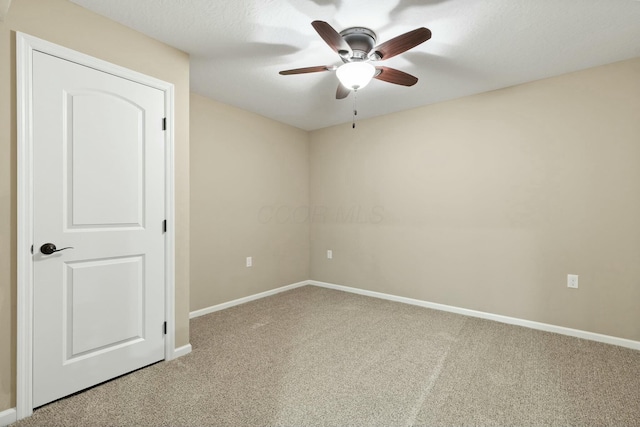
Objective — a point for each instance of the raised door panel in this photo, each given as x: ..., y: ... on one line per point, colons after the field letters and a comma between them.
x: 104, y: 136
x: 104, y: 305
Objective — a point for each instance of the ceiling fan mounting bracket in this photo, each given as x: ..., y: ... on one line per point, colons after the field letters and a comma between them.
x: 361, y: 40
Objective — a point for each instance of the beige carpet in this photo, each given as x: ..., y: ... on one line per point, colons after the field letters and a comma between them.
x: 313, y: 356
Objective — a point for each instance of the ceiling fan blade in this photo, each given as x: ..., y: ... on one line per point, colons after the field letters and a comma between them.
x: 307, y: 70
x: 342, y: 92
x: 402, y: 43
x: 391, y: 75
x: 332, y: 38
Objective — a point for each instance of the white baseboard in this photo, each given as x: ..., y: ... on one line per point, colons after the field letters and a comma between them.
x: 592, y: 336
x: 7, y: 417
x: 181, y: 351
x: 239, y: 301
x: 622, y: 342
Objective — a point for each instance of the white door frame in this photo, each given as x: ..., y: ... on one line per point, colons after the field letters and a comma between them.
x: 25, y: 45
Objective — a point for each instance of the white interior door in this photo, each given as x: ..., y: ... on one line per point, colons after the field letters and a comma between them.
x: 98, y: 188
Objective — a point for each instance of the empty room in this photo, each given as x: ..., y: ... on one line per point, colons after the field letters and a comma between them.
x: 319, y: 213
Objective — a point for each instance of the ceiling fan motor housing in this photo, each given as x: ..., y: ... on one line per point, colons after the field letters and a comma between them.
x: 361, y: 40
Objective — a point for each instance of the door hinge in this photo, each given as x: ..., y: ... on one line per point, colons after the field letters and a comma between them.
x: 164, y: 328
x: 164, y: 226
x: 164, y: 123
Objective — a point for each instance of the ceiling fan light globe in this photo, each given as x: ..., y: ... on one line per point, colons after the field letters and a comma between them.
x: 355, y: 75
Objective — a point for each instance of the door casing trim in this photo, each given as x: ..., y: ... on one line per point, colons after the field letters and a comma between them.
x: 25, y: 45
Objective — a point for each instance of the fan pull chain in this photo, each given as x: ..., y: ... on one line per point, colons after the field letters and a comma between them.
x: 355, y: 108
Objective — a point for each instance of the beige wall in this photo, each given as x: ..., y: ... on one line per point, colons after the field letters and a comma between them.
x: 71, y: 26
x: 489, y: 201
x: 250, y: 193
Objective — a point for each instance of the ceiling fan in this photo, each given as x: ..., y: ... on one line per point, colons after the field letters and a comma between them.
x: 357, y: 49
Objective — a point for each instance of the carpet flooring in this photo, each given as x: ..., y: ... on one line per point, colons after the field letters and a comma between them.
x: 318, y: 357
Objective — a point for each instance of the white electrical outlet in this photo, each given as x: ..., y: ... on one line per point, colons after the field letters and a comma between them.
x: 249, y: 261
x: 572, y: 281
x: 329, y: 254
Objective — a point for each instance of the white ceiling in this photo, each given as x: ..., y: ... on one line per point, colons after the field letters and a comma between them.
x: 237, y: 47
